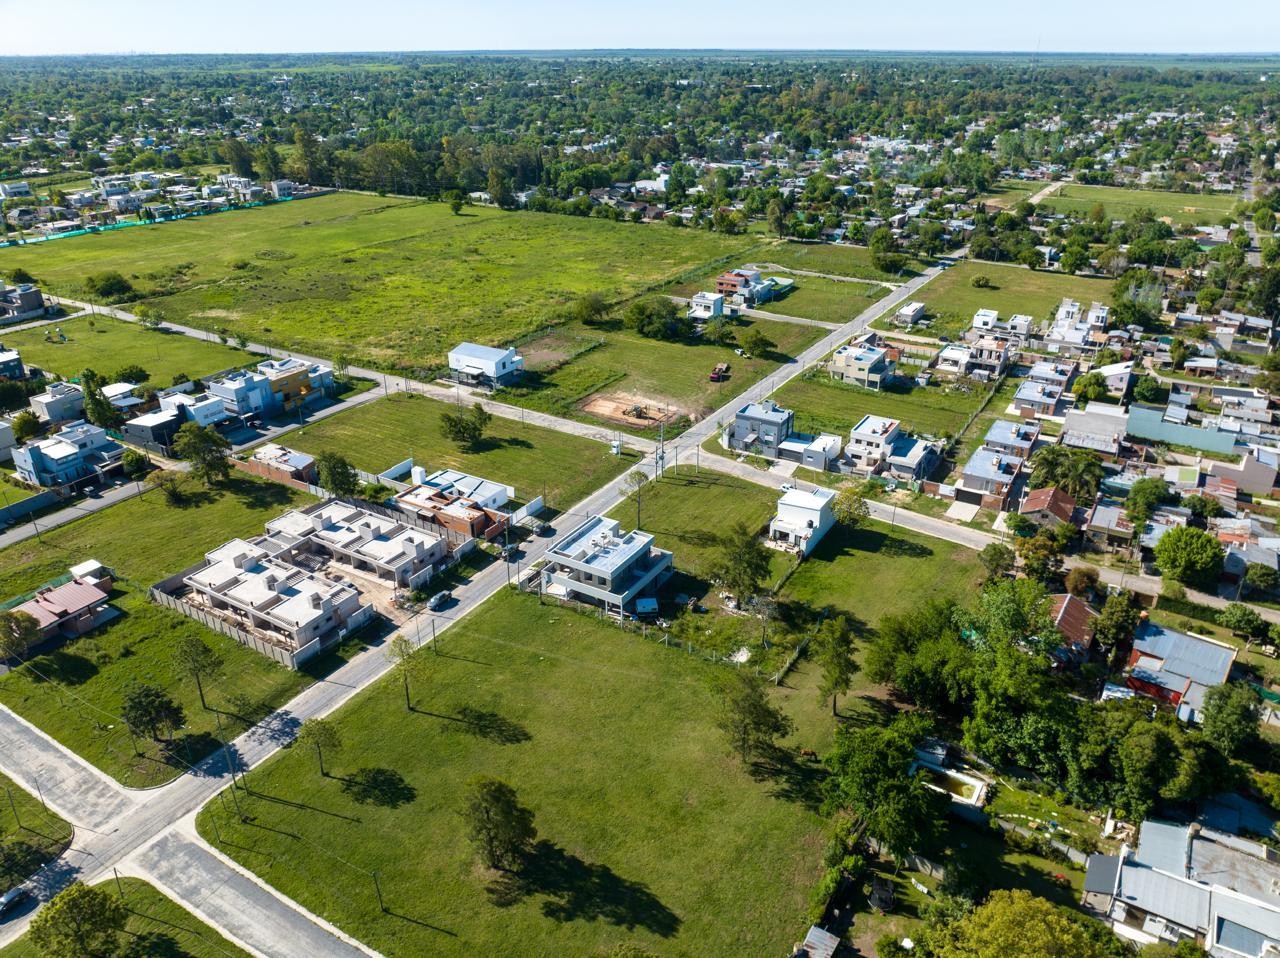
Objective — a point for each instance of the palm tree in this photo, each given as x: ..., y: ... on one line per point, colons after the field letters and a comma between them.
x: 1081, y: 475
x: 1048, y: 466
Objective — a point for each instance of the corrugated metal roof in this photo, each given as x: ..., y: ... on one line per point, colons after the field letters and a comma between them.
x: 1163, y: 845
x: 1177, y: 900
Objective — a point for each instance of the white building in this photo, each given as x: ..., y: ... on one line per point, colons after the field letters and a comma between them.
x: 201, y: 408
x: 704, y: 305
x: 596, y: 563
x: 59, y: 402
x: 955, y: 360
x: 803, y: 518
x: 485, y: 365
x: 909, y: 314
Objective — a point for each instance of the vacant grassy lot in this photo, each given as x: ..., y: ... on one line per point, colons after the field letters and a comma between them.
x: 676, y: 509
x: 951, y: 299
x: 828, y: 300
x: 607, y: 737
x: 873, y: 571
x: 823, y: 405
x: 1198, y: 209
x: 1005, y: 194
x: 392, y: 283
x: 34, y: 837
x: 74, y: 693
x: 158, y: 927
x: 854, y: 261
x: 573, y: 363
x: 105, y: 345
x: 387, y: 431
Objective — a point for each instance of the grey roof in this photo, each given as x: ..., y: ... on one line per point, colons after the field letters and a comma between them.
x: 991, y: 464
x: 1101, y: 873
x: 1006, y: 433
x: 1183, y: 656
x: 1163, y: 845
x: 1178, y: 900
x: 1037, y: 392
x: 766, y: 411
x: 476, y: 351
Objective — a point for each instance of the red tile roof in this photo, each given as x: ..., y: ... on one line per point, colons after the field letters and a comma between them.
x: 1052, y: 500
x: 49, y: 608
x: 1073, y: 617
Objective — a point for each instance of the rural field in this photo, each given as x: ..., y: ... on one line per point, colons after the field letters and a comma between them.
x: 574, y: 367
x: 951, y: 299
x: 74, y: 693
x: 382, y: 433
x: 388, y: 282
x: 158, y: 927
x: 1185, y: 209
x: 823, y: 405
x: 527, y: 692
x: 105, y: 345
x: 29, y: 835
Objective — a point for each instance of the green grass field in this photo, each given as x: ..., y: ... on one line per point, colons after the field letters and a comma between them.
x: 828, y: 300
x: 823, y: 405
x: 74, y: 693
x: 377, y: 435
x: 607, y: 737
x: 105, y: 345
x: 1005, y: 194
x: 852, y: 261
x: 1198, y: 209
x: 12, y: 488
x: 393, y: 283
x: 562, y: 377
x: 34, y: 837
x: 951, y: 299
x: 158, y: 927
x: 873, y: 571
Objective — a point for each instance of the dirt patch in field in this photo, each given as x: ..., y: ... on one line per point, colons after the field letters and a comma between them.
x: 626, y: 409
x: 544, y: 357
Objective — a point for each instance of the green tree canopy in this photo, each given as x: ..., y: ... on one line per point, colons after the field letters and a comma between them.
x: 1191, y: 556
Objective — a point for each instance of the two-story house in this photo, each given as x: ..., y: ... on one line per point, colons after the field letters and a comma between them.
x: 596, y: 563
x: 862, y: 363
x: 803, y: 518
x: 77, y: 452
x: 760, y: 427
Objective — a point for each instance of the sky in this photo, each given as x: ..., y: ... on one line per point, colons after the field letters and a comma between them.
x: 248, y: 26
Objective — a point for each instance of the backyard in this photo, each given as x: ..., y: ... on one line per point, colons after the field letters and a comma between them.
x: 388, y: 282
x: 951, y: 299
x: 822, y: 404
x: 532, y: 459
x: 74, y: 693
x: 30, y: 835
x: 607, y: 737
x: 1198, y: 209
x: 105, y: 345
x: 157, y: 927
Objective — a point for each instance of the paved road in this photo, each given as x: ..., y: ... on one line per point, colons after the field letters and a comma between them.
x: 84, y: 507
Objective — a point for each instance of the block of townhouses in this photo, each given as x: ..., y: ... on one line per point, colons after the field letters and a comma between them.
x: 79, y: 452
x: 988, y: 321
x: 596, y: 563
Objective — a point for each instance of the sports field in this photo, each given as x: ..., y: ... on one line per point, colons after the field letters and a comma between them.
x: 1195, y: 209
x: 389, y: 282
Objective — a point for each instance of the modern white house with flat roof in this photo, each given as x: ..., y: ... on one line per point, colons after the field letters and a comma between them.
x: 909, y: 314
x: 704, y: 306
x: 596, y: 563
x: 59, y: 402
x: 871, y: 441
x: 803, y: 518
x: 76, y: 453
x: 485, y: 365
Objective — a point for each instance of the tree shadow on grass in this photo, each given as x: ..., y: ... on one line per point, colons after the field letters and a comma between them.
x: 491, y: 443
x: 384, y: 787
x: 793, y: 777
x: 61, y: 666
x: 258, y: 495
x: 152, y: 944
x: 191, y: 497
x: 490, y: 726
x: 577, y: 890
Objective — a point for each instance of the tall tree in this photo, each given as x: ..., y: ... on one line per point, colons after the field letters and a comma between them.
x: 1016, y: 924
x: 195, y: 659
x: 205, y: 449
x: 400, y: 652
x: 79, y: 922
x: 151, y: 710
x: 237, y: 155
x: 746, y: 716
x: 320, y: 734
x: 337, y: 475
x: 1231, y: 714
x: 850, y: 506
x: 19, y: 631
x: 833, y: 650
x: 742, y: 563
x: 500, y: 828
x: 1191, y: 556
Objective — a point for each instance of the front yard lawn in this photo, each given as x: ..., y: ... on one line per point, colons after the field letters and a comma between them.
x: 34, y: 837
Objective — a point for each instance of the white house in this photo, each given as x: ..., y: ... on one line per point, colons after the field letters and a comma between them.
x: 803, y: 518
x: 706, y: 305
x: 60, y: 401
x: 202, y: 408
x: 909, y: 314
x: 955, y: 360
x: 485, y: 365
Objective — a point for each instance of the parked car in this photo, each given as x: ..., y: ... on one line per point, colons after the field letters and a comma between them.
x: 439, y: 600
x: 11, y: 899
